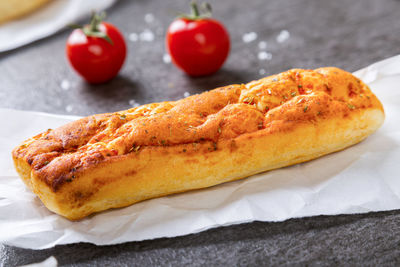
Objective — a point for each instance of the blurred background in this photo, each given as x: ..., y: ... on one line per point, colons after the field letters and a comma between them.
x: 267, y: 37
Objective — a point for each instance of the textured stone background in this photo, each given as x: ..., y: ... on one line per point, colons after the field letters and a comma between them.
x: 349, y: 34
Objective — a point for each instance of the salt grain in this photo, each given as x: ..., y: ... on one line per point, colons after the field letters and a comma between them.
x: 262, y: 45
x: 167, y: 58
x: 65, y: 85
x: 283, y: 36
x: 264, y: 55
x: 261, y: 72
x: 249, y: 37
x: 69, y: 108
x: 133, y: 37
x: 186, y: 94
x: 149, y: 18
x: 146, y: 36
x: 133, y: 103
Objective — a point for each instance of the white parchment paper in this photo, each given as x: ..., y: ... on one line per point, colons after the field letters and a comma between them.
x: 362, y: 178
x: 47, y: 20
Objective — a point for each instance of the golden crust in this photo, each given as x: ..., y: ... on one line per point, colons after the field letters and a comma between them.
x: 116, y: 159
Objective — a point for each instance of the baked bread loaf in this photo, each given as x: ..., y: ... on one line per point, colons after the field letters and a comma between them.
x: 14, y: 9
x: 116, y: 159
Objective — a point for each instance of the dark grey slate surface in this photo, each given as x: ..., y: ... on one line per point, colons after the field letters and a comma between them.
x: 346, y: 33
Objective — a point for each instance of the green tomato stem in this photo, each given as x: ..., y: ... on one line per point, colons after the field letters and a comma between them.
x: 198, y: 13
x: 195, y: 9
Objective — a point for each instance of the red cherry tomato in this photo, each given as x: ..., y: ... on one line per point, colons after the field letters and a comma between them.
x: 198, y: 45
x: 96, y: 55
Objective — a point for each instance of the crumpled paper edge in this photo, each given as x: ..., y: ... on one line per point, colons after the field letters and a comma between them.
x: 379, y: 70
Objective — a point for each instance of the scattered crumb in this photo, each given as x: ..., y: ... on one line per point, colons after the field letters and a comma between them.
x: 49, y: 262
x: 262, y: 45
x: 133, y: 103
x: 65, y: 85
x: 249, y: 37
x: 146, y: 36
x: 167, y: 58
x: 170, y: 85
x: 262, y: 72
x: 186, y: 94
x: 283, y: 36
x: 69, y: 108
x: 264, y: 55
x: 149, y: 18
x: 133, y: 37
